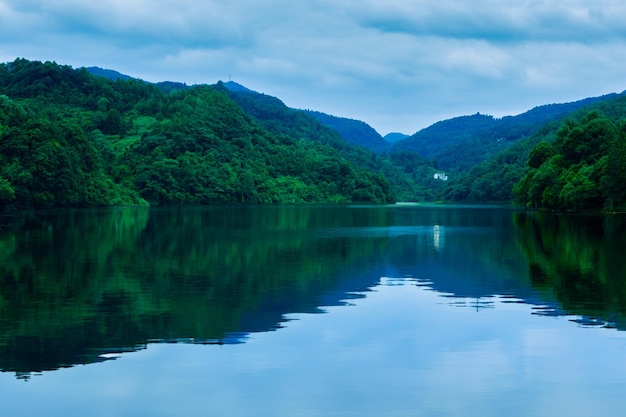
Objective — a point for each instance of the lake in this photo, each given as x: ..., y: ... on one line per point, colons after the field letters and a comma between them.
x: 313, y: 311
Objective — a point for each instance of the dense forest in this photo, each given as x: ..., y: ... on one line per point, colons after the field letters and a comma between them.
x: 79, y: 138
x: 72, y: 139
x: 485, y: 157
x: 583, y: 169
x: 462, y: 142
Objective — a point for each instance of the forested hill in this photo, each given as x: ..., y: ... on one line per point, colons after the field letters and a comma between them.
x: 353, y: 131
x: 495, y: 178
x: 68, y: 139
x: 462, y: 142
x: 584, y: 168
x: 108, y: 73
x: 273, y: 115
x: 356, y: 132
x: 394, y: 137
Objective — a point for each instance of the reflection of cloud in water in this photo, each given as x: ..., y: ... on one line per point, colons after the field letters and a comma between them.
x: 478, y: 303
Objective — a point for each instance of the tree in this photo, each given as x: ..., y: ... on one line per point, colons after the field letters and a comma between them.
x: 584, y: 169
x: 7, y: 194
x: 540, y: 154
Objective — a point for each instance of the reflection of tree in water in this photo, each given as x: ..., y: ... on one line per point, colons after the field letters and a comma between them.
x: 76, y: 284
x: 54, y: 272
x: 581, y: 258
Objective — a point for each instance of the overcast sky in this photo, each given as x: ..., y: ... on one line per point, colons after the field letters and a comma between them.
x: 397, y: 65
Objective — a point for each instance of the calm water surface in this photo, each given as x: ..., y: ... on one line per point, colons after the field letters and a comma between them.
x: 313, y: 311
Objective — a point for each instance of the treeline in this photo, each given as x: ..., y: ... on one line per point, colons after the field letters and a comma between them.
x: 71, y: 139
x: 583, y: 169
x: 495, y: 179
x: 273, y: 115
x: 485, y: 157
x: 461, y: 143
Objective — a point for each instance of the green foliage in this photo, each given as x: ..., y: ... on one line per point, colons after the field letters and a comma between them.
x: 461, y: 143
x: 7, y: 194
x: 540, y: 154
x: 68, y: 138
x: 584, y: 169
x: 499, y: 177
x: 362, y: 167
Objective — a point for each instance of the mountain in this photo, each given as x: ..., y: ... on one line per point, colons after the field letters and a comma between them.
x: 353, y: 131
x: 69, y: 138
x: 108, y: 73
x: 236, y: 87
x: 171, y: 86
x: 272, y: 114
x: 272, y: 111
x: 495, y: 178
x: 165, y: 86
x: 72, y: 139
x: 460, y: 143
x: 394, y: 137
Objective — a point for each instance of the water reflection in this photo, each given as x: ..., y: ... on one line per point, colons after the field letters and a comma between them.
x: 438, y: 237
x: 580, y: 259
x: 84, y: 286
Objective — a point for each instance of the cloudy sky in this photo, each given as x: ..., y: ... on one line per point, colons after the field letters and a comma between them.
x: 397, y: 65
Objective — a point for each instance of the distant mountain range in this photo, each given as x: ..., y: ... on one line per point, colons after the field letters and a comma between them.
x: 353, y: 131
x: 482, y: 156
x: 236, y: 87
x: 166, y: 86
x: 442, y: 142
x: 394, y: 137
x: 462, y: 142
x: 108, y: 73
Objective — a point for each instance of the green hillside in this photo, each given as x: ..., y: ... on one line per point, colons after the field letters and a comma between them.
x: 495, y: 178
x: 460, y: 143
x: 353, y: 131
x: 272, y: 114
x: 71, y: 139
x: 584, y: 168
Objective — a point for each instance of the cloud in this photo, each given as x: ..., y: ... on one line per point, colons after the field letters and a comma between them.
x: 396, y: 65
x: 498, y: 21
x: 138, y: 23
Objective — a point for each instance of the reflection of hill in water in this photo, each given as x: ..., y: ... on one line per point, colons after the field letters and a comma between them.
x: 581, y: 259
x: 77, y: 286
x: 570, y: 265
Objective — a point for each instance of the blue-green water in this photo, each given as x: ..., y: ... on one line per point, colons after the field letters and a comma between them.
x: 313, y: 311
